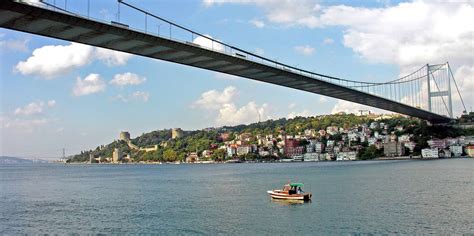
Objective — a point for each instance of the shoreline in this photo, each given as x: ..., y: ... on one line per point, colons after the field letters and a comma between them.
x: 402, y: 158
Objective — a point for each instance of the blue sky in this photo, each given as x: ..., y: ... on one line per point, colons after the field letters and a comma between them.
x: 56, y: 94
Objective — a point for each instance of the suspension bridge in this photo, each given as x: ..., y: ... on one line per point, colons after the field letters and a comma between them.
x: 425, y: 93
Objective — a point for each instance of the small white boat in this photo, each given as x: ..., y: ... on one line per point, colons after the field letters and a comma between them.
x: 291, y: 191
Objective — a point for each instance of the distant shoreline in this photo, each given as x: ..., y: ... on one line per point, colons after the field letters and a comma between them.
x: 403, y: 158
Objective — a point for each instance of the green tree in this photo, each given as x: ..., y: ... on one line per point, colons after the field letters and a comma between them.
x: 368, y: 153
x: 170, y: 155
x: 218, y: 155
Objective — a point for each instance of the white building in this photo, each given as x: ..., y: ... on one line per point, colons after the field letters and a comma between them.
x: 242, y: 150
x: 319, y: 147
x: 456, y: 150
x: 346, y: 156
x: 231, y: 151
x: 429, y: 153
x: 311, y: 157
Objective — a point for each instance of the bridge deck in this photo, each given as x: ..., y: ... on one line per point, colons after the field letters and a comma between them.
x: 40, y: 21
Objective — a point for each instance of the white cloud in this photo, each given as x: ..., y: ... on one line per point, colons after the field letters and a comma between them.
x: 89, y: 85
x: 229, y: 114
x: 214, y: 99
x: 287, y: 12
x: 30, y: 109
x: 23, y: 125
x: 257, y: 23
x: 328, y: 41
x: 111, y: 57
x: 53, y: 60
x: 407, y: 34
x: 412, y: 34
x: 135, y: 96
x: 140, y: 96
x: 208, y: 43
x: 34, y: 108
x: 291, y: 105
x: 304, y: 50
x: 51, y: 103
x: 127, y: 79
x: 14, y: 44
x: 49, y: 61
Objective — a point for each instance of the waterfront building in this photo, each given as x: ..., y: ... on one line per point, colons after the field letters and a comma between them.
x: 456, y: 150
x: 290, y: 143
x: 319, y: 147
x: 294, y: 151
x: 429, y: 153
x: 469, y: 151
x: 176, y: 133
x: 346, y: 156
x: 231, y: 151
x: 124, y: 136
x: 192, y: 157
x: 410, y: 145
x: 311, y: 157
x: 242, y: 150
x: 393, y: 149
x: 437, y: 143
x: 326, y: 156
x: 444, y: 153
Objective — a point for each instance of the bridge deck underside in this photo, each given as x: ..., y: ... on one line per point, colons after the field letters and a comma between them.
x: 74, y: 28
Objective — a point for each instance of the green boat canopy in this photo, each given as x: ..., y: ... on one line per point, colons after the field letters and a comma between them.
x: 296, y: 185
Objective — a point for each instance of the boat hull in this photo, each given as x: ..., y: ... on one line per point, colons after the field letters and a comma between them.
x: 285, y: 196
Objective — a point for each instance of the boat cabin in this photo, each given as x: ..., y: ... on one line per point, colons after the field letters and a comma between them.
x: 293, y: 188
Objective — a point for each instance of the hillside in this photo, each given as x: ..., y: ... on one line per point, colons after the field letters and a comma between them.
x: 211, y: 138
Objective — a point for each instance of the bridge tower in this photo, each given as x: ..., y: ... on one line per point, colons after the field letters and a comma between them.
x: 439, y: 86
